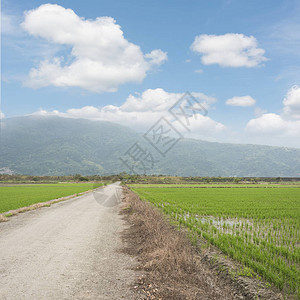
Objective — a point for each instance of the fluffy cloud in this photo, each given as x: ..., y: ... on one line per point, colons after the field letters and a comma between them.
x: 268, y: 123
x: 160, y: 100
x: 243, y: 101
x: 292, y: 103
x: 157, y: 57
x: 228, y: 50
x: 273, y: 129
x: 101, y: 58
x: 142, y: 111
x: 271, y: 126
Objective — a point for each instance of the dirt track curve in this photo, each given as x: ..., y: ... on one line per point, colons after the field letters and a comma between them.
x: 67, y: 251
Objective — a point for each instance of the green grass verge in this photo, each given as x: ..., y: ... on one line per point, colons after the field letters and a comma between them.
x: 13, y: 197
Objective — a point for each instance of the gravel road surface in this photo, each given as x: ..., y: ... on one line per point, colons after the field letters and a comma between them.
x: 69, y: 250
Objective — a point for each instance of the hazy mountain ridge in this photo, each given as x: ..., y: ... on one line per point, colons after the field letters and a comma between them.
x: 60, y: 146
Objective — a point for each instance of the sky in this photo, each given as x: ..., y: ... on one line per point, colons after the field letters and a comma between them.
x: 129, y: 62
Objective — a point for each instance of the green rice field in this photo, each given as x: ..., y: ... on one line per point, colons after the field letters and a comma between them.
x: 213, y: 185
x: 16, y: 196
x: 258, y: 227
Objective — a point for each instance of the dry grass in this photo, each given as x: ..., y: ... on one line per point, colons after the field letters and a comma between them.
x: 3, y: 218
x: 171, y: 266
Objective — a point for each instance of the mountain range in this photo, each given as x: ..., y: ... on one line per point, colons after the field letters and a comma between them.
x: 40, y: 145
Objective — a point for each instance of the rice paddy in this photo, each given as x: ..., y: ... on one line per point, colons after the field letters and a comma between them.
x: 258, y: 227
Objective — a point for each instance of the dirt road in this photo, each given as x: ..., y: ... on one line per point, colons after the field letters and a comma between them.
x: 67, y: 251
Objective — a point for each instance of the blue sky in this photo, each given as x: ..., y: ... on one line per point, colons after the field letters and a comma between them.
x: 241, y: 59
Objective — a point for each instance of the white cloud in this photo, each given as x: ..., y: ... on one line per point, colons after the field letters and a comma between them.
x: 279, y: 129
x: 199, y: 71
x: 273, y: 129
x: 142, y: 111
x: 228, y: 50
x: 157, y: 57
x: 292, y: 103
x: 204, y: 126
x: 151, y: 100
x: 243, y: 101
x: 101, y: 58
x: 268, y: 123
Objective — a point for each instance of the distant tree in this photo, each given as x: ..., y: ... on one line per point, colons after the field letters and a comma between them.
x: 77, y: 177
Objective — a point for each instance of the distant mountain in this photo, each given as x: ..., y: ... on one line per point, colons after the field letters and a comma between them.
x: 39, y: 145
